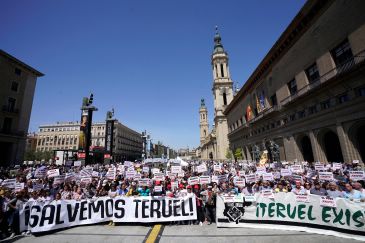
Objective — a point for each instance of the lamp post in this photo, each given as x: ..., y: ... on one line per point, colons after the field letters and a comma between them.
x: 109, y: 133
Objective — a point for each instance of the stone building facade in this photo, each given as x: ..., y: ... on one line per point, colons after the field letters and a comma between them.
x: 214, y: 144
x: 18, y: 82
x: 127, y: 144
x: 308, y: 93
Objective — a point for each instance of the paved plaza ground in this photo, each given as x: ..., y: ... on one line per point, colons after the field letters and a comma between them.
x: 183, y: 233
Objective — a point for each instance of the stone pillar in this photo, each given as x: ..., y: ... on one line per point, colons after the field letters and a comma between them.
x: 349, y: 152
x: 317, y: 150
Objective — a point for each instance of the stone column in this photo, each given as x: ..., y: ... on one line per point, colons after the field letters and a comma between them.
x: 317, y: 150
x: 349, y: 152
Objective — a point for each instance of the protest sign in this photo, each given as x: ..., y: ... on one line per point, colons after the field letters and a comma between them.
x: 215, y: 179
x: 53, y: 173
x: 302, y: 198
x: 319, y: 167
x: 267, y: 194
x: 19, y: 186
x: 9, y: 183
x: 217, y: 168
x: 40, y: 172
x: 174, y: 184
x: 355, y: 161
x: 144, y: 182
x: 159, y: 176
x: 328, y: 202
x: 285, y: 172
x: 276, y: 174
x: 357, y: 175
x: 337, y: 166
x: 241, y: 173
x: 137, y: 176
x: 86, y: 172
x: 204, y: 179
x: 146, y: 169
x: 176, y: 169
x: 85, y: 180
x: 251, y: 178
x: 193, y: 180
x: 158, y: 189
x: 201, y: 168
x: 155, y: 170
x: 240, y: 182
x: 60, y: 214
x: 130, y: 174
x: 111, y: 174
x: 325, y: 176
x: 128, y: 164
x: 77, y: 163
x: 250, y: 198
x: 222, y: 178
x: 70, y: 176
x: 95, y: 174
x: 260, y: 170
x: 37, y: 186
x: 267, y: 177
x: 181, y: 174
x: 57, y: 180
x: 296, y: 168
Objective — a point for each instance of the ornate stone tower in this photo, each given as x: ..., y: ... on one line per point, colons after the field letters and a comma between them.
x: 223, y: 94
x: 204, y: 126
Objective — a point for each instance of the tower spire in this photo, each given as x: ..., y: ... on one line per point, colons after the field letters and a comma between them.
x: 218, y: 47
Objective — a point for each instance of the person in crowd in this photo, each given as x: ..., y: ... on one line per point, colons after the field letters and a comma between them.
x: 318, y: 190
x: 298, y: 189
x: 333, y: 191
x: 352, y: 194
x: 123, y: 190
x: 144, y: 191
x: 132, y: 190
x: 281, y: 187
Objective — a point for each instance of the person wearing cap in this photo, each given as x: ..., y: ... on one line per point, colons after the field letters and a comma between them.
x: 158, y: 193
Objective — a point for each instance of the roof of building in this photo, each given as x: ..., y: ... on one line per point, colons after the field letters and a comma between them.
x: 307, y: 15
x: 22, y: 64
x: 218, y: 46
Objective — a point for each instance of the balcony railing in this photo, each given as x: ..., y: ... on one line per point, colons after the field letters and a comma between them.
x: 264, y: 113
x: 10, y: 109
x: 345, y: 67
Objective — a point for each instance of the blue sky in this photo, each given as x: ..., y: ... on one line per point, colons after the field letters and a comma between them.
x: 150, y: 60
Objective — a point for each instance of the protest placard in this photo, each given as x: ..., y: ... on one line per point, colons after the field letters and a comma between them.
x: 77, y: 163
x: 201, y: 168
x: 357, y: 175
x: 159, y: 176
x: 176, y: 169
x: 222, y: 178
x: 145, y: 182
x: 267, y: 177
x: 85, y: 180
x: 327, y: 202
x: 19, y: 186
x: 204, y: 179
x: 130, y: 174
x: 181, y: 174
x: 302, y: 198
x: 137, y: 177
x: 285, y: 172
x: 251, y: 178
x: 325, y: 176
x: 174, y: 185
x: 250, y: 198
x: 37, y: 186
x: 158, y: 188
x: 267, y: 194
x: 146, y: 169
x: 86, y: 172
x: 53, y: 173
x: 155, y: 170
x: 260, y: 170
x: 296, y: 169
x: 241, y: 173
x: 217, y: 168
x: 319, y: 167
x: 95, y: 174
x: 337, y: 166
x: 215, y: 179
x: 276, y: 174
x: 57, y: 180
x: 240, y: 182
x: 70, y: 176
x: 40, y: 172
x: 111, y: 174
x: 193, y: 180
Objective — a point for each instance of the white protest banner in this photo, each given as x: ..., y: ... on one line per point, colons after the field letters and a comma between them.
x: 63, y: 214
x: 204, y: 179
x: 241, y: 173
x: 40, y: 172
x: 70, y: 176
x: 355, y: 161
x: 137, y: 177
x: 19, y: 186
x: 9, y: 183
x: 37, y: 186
x: 95, y: 174
x: 251, y: 178
x: 319, y: 167
x: 128, y: 163
x: 159, y: 177
x: 144, y: 182
x: 285, y: 172
x: 146, y: 169
x: 250, y: 198
x: 158, y: 189
x: 215, y: 179
x: 267, y: 176
x: 111, y: 174
x: 155, y: 170
x: 337, y: 166
x: 346, y: 220
x: 57, y: 180
x: 302, y: 198
x: 217, y: 168
x: 174, y: 184
x: 357, y: 175
x: 53, y: 173
x: 228, y: 198
x: 193, y: 180
x: 130, y: 174
x: 201, y: 168
x: 130, y: 168
x: 325, y: 176
x: 176, y: 169
x: 222, y: 178
x: 276, y: 174
x: 296, y: 169
x: 86, y: 172
x: 77, y: 163
x: 172, y: 176
x: 328, y: 202
x: 240, y: 182
x: 260, y: 170
x: 86, y: 180
x: 267, y: 194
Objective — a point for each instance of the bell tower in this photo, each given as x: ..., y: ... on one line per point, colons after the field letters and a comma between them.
x: 204, y: 126
x: 222, y: 93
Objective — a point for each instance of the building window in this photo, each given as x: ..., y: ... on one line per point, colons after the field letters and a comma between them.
x: 360, y: 91
x: 222, y: 71
x: 11, y: 104
x: 274, y: 100
x: 301, y: 114
x: 343, y: 98
x: 14, y: 86
x: 285, y: 120
x: 342, y: 53
x: 7, y: 123
x: 17, y: 71
x: 312, y: 73
x: 224, y: 98
x: 325, y: 104
x: 312, y: 109
x: 292, y: 85
x: 292, y: 117
x: 272, y: 125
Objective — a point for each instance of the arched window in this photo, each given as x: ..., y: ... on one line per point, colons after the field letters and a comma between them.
x: 224, y: 98
x: 205, y: 133
x: 222, y: 71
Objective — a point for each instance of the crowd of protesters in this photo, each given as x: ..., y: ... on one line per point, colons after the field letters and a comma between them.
x: 70, y: 182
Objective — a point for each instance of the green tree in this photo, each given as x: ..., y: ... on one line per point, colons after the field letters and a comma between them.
x: 238, y: 153
x: 229, y: 154
x: 29, y: 155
